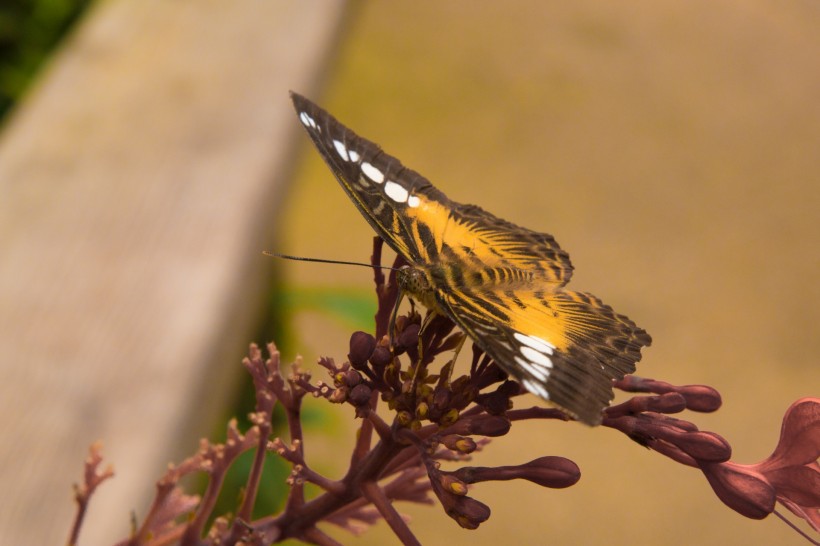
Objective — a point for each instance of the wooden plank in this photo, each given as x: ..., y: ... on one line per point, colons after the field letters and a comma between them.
x: 138, y: 186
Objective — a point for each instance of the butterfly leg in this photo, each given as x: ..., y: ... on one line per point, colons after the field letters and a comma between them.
x: 456, y: 351
x: 424, y: 323
x: 392, y: 333
x: 391, y: 328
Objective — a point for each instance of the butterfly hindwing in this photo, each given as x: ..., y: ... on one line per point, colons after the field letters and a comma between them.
x: 563, y: 346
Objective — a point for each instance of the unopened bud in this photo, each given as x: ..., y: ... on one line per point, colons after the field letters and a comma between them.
x: 449, y: 418
x: 409, y: 336
x: 351, y: 378
x: 462, y: 444
x: 422, y: 410
x: 381, y: 357
x: 491, y: 425
x: 404, y: 418
x: 468, y: 512
x: 704, y: 446
x: 360, y: 394
x: 555, y: 472
x: 453, y: 484
x: 338, y: 396
x: 362, y: 345
x: 701, y: 398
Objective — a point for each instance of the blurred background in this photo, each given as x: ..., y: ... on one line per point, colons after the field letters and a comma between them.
x: 671, y: 148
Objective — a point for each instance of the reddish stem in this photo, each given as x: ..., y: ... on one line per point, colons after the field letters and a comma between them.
x: 376, y: 496
x: 252, y: 487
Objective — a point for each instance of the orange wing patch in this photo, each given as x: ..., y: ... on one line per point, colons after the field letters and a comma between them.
x: 485, y: 241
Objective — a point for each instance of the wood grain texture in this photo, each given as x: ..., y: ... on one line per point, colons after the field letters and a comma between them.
x: 139, y: 184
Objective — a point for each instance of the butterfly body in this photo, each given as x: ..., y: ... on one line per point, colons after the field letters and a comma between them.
x: 502, y: 284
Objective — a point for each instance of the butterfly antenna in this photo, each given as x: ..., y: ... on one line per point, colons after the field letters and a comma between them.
x: 324, y: 261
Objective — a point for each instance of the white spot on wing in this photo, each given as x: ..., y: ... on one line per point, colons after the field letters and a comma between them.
x: 535, y: 388
x: 535, y: 357
x: 354, y: 156
x: 535, y: 342
x: 307, y: 120
x: 532, y: 370
x: 413, y: 201
x: 395, y: 192
x: 341, y: 150
x: 372, y: 173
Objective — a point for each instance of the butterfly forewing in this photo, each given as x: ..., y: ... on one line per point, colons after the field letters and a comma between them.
x: 501, y: 283
x: 498, y: 243
x: 377, y: 183
x: 417, y: 220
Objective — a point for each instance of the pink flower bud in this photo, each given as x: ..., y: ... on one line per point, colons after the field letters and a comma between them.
x: 741, y: 489
x: 555, y: 472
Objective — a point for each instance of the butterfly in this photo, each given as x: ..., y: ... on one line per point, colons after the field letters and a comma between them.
x: 502, y: 284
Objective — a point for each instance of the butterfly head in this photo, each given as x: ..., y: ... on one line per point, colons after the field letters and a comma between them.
x: 415, y: 282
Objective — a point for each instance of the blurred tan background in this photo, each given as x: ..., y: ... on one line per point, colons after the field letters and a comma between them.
x: 671, y: 148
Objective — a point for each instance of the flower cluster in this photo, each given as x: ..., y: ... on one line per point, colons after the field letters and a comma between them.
x: 790, y: 475
x: 437, y: 418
